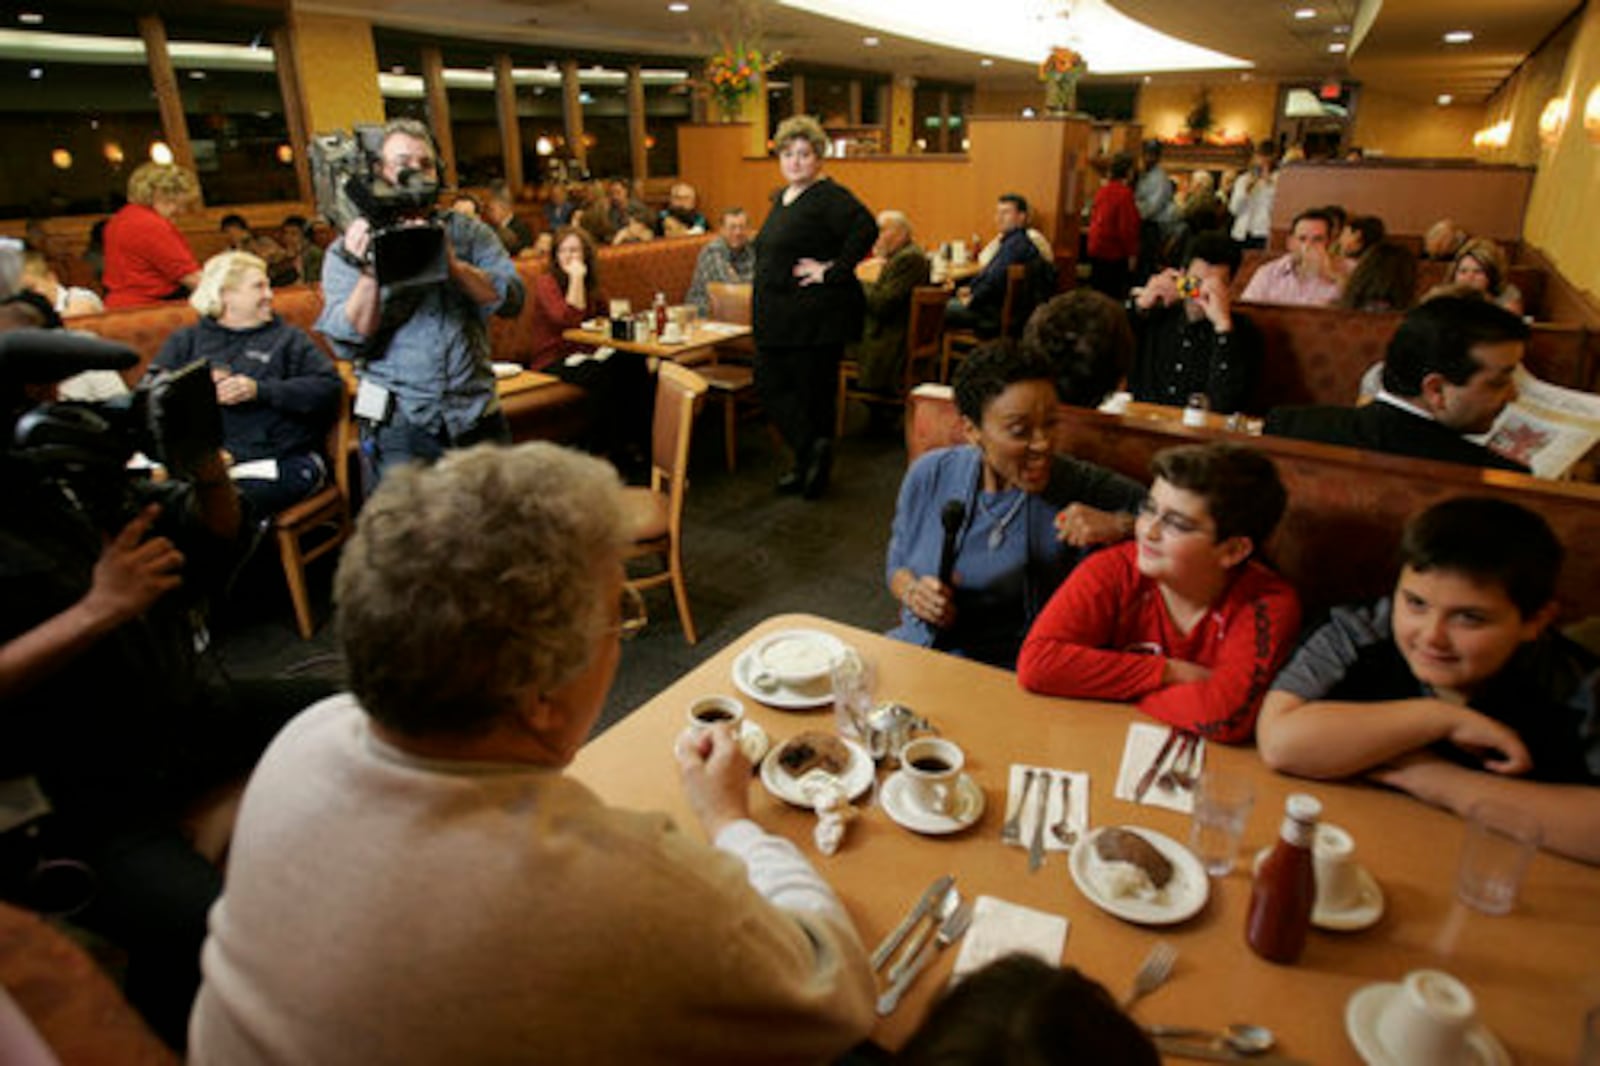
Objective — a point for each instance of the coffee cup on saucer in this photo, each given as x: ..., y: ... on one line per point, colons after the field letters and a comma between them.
x: 1427, y: 1020
x: 933, y: 765
x: 708, y: 711
x: 673, y: 334
x: 1338, y: 876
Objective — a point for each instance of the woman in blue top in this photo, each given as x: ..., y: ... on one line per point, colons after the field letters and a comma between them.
x: 1027, y: 515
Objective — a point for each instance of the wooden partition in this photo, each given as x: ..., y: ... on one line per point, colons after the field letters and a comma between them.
x: 1411, y: 195
x: 946, y: 197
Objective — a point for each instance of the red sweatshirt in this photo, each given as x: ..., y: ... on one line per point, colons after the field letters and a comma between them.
x: 1106, y: 635
x: 1114, y: 223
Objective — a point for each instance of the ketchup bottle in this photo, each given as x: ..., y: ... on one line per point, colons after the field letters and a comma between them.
x: 660, y: 309
x: 1286, y: 886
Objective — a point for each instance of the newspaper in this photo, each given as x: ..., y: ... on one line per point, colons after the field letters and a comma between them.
x: 1548, y: 427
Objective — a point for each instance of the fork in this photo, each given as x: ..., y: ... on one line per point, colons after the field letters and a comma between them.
x: 949, y: 932
x: 1011, y: 832
x: 1063, y: 830
x: 1183, y: 767
x: 1153, y: 973
x: 1172, y: 778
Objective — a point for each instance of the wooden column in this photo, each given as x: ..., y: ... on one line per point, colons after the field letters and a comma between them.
x: 294, y: 110
x: 572, y: 112
x: 638, y: 152
x: 797, y: 94
x: 944, y: 120
x: 173, y: 124
x: 900, y: 113
x: 855, y: 102
x: 505, y: 106
x: 439, y: 113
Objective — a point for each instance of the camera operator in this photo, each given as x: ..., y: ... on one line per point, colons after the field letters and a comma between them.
x: 422, y: 350
x: 106, y: 702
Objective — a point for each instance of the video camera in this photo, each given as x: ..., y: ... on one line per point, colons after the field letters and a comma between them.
x: 171, y: 417
x: 408, y: 240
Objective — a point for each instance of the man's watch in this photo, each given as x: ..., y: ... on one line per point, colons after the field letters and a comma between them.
x: 358, y: 262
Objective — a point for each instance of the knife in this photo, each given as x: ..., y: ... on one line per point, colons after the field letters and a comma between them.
x: 950, y: 930
x: 1180, y: 1049
x: 933, y: 895
x: 1149, y: 777
x: 1036, y: 849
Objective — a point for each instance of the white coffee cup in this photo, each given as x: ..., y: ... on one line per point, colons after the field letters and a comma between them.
x: 708, y: 711
x: 933, y: 766
x: 1333, y: 858
x: 958, y: 253
x: 673, y: 334
x: 1426, y: 1022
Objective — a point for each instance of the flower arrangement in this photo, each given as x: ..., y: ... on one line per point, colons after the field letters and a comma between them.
x: 1060, y: 72
x: 731, y: 72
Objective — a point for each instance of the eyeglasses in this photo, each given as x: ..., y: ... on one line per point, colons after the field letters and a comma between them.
x: 632, y: 615
x: 1170, y: 521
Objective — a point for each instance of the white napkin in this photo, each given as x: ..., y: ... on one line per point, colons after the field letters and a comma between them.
x: 1000, y: 928
x: 1144, y: 741
x: 1052, y: 812
x: 255, y: 470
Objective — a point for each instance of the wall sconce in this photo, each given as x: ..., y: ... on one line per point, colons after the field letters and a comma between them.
x: 113, y: 153
x: 1553, y: 119
x: 161, y: 153
x: 1591, y: 115
x: 61, y: 159
x: 285, y: 154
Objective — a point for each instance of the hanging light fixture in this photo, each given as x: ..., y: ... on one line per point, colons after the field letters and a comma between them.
x: 285, y: 153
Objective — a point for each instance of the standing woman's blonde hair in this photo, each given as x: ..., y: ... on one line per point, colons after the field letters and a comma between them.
x: 802, y: 128
x: 222, y: 271
x: 151, y: 180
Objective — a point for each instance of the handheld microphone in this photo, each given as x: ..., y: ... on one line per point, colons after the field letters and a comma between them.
x: 951, y: 516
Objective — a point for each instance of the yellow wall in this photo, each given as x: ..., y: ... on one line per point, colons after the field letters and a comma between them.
x: 1522, y: 98
x: 338, y: 67
x: 1237, y: 108
x: 1404, y: 128
x: 1566, y: 192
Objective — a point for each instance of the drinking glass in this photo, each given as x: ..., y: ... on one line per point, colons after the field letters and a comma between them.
x: 1499, y: 843
x: 1222, y: 805
x: 852, y: 694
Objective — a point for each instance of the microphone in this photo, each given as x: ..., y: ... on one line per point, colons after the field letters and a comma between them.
x: 951, y: 516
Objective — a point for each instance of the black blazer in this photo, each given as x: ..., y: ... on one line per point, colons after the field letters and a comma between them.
x: 826, y: 223
x: 1383, y: 427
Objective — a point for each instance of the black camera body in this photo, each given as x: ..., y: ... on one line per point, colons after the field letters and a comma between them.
x: 408, y: 238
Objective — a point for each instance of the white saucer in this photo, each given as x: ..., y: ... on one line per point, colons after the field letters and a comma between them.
x: 1363, y: 914
x: 809, y: 696
x: 1361, y: 1025
x: 856, y: 779
x: 1186, y: 893
x: 899, y: 804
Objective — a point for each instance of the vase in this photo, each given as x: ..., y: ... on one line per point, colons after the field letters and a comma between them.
x: 1061, y: 94
x: 730, y: 109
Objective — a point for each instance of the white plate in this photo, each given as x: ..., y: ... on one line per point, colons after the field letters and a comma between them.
x: 1186, y: 893
x: 898, y: 802
x: 798, y: 657
x: 506, y: 370
x: 818, y: 693
x: 856, y: 779
x: 1361, y: 1025
x: 1363, y: 914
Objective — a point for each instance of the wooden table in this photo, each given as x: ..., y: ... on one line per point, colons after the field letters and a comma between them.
x: 1534, y: 972
x: 700, y: 344
x: 1160, y: 412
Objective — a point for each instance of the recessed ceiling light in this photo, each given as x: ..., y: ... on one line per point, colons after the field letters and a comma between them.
x: 1336, y: 47
x: 1458, y: 37
x: 678, y: 8
x: 29, y: 18
x: 1305, y: 13
x: 870, y: 42
x: 986, y: 62
x: 1444, y: 99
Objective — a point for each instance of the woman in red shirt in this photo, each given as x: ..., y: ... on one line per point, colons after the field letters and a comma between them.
x: 147, y: 259
x: 1114, y: 231
x: 563, y: 296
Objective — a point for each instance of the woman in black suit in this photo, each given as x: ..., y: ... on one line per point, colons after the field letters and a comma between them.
x: 807, y: 302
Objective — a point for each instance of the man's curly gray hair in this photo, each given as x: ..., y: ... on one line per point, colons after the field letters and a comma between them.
x: 470, y: 582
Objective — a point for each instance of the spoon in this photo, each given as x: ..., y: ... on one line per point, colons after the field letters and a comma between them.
x: 1063, y: 828
x: 1240, y: 1037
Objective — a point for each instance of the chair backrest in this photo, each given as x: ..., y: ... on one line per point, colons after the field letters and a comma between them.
x: 1016, y: 279
x: 679, y: 393
x: 925, y: 330
x: 729, y: 301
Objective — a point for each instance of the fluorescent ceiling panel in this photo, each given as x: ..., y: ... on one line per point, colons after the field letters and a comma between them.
x: 1025, y: 30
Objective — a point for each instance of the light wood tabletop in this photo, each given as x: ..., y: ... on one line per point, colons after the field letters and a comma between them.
x: 1535, y: 972
x: 701, y: 340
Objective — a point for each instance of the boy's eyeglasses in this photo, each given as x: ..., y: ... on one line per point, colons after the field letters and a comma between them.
x: 1170, y: 521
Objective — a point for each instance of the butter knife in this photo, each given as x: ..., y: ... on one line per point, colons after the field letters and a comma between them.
x: 949, y: 932
x: 1154, y: 769
x: 933, y: 895
x: 1042, y: 805
x: 1180, y: 1049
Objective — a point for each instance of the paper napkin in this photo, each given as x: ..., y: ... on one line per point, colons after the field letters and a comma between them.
x: 1044, y: 776
x: 1144, y: 741
x: 1000, y: 928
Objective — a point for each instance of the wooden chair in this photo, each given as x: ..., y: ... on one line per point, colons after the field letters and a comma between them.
x: 731, y: 383
x: 924, y: 331
x: 958, y: 342
x: 320, y: 523
x: 659, y: 508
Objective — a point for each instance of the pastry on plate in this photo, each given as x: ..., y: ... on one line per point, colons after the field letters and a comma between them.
x: 813, y: 751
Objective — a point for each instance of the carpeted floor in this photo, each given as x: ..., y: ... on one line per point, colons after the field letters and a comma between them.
x: 750, y: 553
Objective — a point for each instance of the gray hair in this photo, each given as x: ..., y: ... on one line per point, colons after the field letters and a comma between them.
x: 222, y: 271
x: 895, y: 218
x: 471, y: 583
x: 410, y: 127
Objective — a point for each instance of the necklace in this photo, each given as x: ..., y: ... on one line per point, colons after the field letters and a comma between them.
x: 997, y: 535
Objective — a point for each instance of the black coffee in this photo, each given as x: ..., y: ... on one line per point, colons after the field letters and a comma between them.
x: 931, y: 764
x: 715, y: 714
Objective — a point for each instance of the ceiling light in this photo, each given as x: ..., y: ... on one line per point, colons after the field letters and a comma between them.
x: 1305, y: 13
x: 986, y: 62
x: 1458, y: 37
x: 197, y: 75
x: 678, y: 8
x: 1343, y: 27
x: 1444, y: 99
x: 30, y: 18
x: 161, y: 153
x: 1591, y: 115
x: 1337, y: 46
x: 870, y: 42
x: 1554, y: 119
x: 35, y: 73
x: 61, y: 159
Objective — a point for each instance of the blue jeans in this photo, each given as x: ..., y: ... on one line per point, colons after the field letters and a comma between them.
x: 398, y: 441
